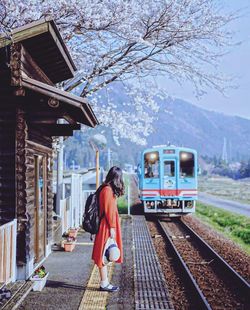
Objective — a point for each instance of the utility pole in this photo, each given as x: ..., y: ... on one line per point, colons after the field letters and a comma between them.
x: 109, y: 158
x: 128, y: 194
x: 95, y: 148
x: 97, y: 143
x: 97, y: 167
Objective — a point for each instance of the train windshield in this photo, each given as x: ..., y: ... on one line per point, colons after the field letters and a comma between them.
x: 169, y: 168
x: 151, y: 165
x: 186, y: 164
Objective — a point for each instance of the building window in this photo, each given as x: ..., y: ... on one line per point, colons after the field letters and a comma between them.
x: 186, y: 164
x: 151, y: 165
x: 169, y: 168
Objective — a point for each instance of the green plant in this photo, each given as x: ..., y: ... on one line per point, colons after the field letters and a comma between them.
x: 40, y: 272
x: 234, y: 226
x: 122, y: 205
x: 122, y: 202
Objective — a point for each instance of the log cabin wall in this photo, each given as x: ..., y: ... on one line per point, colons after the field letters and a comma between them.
x: 7, y: 160
x: 7, y: 142
x: 30, y: 140
x: 31, y: 143
x: 19, y: 144
x: 23, y: 217
x: 30, y: 106
x: 37, y: 149
x: 20, y: 141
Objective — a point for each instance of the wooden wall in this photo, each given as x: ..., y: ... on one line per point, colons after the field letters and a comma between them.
x: 19, y: 142
x: 7, y: 163
x: 23, y: 218
x: 32, y: 149
x: 27, y: 148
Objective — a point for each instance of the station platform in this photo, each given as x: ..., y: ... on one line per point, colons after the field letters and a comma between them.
x: 73, y: 282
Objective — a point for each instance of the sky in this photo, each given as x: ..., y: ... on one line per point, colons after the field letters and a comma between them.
x: 237, y: 63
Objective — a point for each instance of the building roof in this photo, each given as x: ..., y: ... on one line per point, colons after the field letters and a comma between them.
x: 43, y: 41
x: 77, y: 107
x: 44, y: 61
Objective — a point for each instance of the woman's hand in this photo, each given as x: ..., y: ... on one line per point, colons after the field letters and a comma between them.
x: 112, y: 233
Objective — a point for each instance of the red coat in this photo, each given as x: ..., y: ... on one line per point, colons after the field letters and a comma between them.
x: 108, y: 205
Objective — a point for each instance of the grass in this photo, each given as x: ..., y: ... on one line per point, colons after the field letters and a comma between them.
x: 235, y: 227
x: 122, y: 203
x: 227, y: 188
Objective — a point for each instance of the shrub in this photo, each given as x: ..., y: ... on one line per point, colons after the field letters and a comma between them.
x: 230, y: 223
x: 243, y: 234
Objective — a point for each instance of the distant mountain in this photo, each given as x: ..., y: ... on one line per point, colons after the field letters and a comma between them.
x: 182, y: 124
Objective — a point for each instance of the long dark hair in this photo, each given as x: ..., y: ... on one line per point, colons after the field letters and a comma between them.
x: 115, y: 181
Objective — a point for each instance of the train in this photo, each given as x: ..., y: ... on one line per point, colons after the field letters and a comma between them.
x: 168, y: 180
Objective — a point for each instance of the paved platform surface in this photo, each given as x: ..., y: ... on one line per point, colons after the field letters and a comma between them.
x: 73, y: 282
x: 68, y: 276
x: 229, y: 205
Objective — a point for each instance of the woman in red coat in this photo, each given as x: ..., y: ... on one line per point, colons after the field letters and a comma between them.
x: 112, y: 188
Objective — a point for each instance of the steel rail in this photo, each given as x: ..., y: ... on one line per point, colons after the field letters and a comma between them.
x: 243, y: 285
x: 197, y: 294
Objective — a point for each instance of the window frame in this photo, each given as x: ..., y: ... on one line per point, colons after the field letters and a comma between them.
x: 180, y: 161
x: 158, y: 159
x: 169, y: 160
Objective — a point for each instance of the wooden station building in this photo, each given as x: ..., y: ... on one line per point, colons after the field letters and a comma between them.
x: 33, y: 58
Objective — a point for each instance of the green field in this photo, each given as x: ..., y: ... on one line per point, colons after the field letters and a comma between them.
x: 122, y: 201
x: 223, y: 187
x: 234, y: 226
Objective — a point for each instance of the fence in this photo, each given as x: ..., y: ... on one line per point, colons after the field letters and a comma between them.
x: 85, y: 195
x: 76, y: 200
x: 65, y: 214
x: 72, y: 207
x: 8, y: 252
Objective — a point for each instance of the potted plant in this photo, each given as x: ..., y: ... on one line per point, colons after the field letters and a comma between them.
x: 39, y: 278
x: 69, y: 244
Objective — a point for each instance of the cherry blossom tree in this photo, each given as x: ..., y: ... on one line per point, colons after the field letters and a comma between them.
x: 132, y: 41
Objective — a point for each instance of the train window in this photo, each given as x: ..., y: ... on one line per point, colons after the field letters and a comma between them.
x: 151, y: 165
x: 186, y: 164
x: 169, y: 168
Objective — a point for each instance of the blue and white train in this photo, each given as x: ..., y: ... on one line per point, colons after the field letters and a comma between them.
x: 168, y: 180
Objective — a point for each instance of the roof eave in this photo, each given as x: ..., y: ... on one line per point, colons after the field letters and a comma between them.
x: 36, y: 28
x: 70, y: 99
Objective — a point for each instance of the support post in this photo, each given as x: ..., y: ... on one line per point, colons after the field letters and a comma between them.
x: 128, y: 194
x: 59, y: 186
x: 109, y: 158
x: 97, y: 168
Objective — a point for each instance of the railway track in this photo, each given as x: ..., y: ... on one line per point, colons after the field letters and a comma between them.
x: 212, y: 283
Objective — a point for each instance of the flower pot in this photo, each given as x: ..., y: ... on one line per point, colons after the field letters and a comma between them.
x: 69, y: 247
x: 39, y: 283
